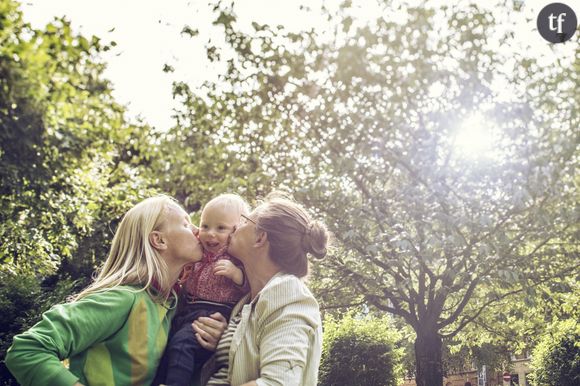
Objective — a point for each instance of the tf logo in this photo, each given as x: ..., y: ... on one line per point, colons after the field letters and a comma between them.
x: 557, y: 23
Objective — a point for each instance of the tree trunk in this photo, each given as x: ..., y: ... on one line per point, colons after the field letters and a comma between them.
x: 428, y: 358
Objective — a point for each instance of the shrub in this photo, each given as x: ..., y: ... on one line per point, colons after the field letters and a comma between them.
x: 556, y: 359
x: 360, y: 351
x: 22, y: 302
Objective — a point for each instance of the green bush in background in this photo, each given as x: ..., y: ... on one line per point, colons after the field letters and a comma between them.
x: 23, y: 300
x: 556, y: 359
x: 360, y: 351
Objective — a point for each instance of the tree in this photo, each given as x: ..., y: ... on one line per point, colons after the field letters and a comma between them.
x: 70, y: 165
x: 365, y: 131
x: 69, y: 162
x: 199, y: 163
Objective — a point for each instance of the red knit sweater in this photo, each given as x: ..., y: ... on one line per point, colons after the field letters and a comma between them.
x: 200, y: 283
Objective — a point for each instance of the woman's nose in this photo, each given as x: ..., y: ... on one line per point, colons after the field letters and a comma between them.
x: 195, y: 230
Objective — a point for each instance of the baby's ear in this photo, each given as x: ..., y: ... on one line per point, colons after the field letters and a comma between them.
x: 157, y: 241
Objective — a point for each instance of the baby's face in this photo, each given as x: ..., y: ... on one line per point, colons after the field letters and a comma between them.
x: 216, y: 225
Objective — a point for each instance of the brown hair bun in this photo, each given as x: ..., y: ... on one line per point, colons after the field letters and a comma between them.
x: 315, y: 239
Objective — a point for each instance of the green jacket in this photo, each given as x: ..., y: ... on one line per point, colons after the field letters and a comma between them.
x: 115, y: 337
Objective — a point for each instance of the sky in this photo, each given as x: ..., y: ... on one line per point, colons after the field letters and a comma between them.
x: 147, y: 33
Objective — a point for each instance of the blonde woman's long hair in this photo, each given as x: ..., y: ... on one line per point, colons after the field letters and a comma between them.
x: 132, y: 260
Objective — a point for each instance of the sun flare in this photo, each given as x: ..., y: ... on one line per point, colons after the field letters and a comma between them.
x: 474, y: 137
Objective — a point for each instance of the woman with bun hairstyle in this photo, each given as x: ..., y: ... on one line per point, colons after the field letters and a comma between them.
x: 275, y: 333
x: 115, y: 330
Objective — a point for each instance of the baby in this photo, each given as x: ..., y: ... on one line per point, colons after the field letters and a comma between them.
x: 215, y: 284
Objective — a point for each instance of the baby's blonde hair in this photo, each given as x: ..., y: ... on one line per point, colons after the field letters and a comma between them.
x: 230, y: 202
x: 132, y: 260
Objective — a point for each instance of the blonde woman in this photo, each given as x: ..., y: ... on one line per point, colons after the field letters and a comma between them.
x: 274, y: 336
x: 115, y: 331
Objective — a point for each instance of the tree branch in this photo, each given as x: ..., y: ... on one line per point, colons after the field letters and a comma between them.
x: 468, y: 319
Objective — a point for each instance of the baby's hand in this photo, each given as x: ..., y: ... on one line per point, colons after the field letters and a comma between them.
x: 228, y: 269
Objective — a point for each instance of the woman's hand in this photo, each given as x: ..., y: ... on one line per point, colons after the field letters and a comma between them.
x: 208, y: 330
